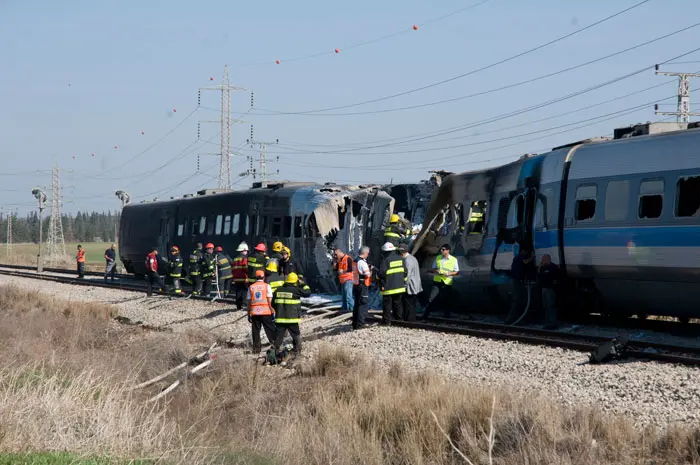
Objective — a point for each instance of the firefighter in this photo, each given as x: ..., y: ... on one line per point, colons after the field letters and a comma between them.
x: 392, y: 273
x: 223, y: 268
x: 257, y: 261
x: 260, y: 311
x: 287, y: 305
x: 445, y: 268
x: 208, y: 268
x: 195, y: 269
x: 175, y: 269
x: 274, y: 278
x: 396, y: 232
x: 239, y: 272
x: 362, y: 280
x: 80, y: 261
x: 152, y: 276
x: 289, y: 265
x: 277, y: 248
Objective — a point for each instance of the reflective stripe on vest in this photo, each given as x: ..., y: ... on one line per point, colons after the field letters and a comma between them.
x: 400, y: 290
x: 289, y: 321
x: 448, y: 266
x: 258, y: 299
x: 275, y: 284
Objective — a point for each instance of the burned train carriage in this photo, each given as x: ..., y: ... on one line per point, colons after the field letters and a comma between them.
x: 310, y: 219
x: 621, y: 217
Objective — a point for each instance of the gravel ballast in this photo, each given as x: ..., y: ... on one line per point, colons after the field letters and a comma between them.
x: 649, y: 393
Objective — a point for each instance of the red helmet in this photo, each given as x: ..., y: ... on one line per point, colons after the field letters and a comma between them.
x: 175, y: 248
x: 209, y: 246
x: 261, y: 247
x: 219, y: 249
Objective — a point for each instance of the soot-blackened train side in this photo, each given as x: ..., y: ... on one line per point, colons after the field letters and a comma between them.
x: 621, y: 217
x: 311, y: 219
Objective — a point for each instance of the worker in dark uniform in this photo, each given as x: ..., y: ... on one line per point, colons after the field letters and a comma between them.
x: 194, y: 271
x: 80, y: 261
x: 289, y: 265
x: 208, y: 269
x: 362, y: 281
x: 396, y: 232
x: 152, y: 276
x: 257, y: 261
x: 175, y: 269
x: 392, y: 274
x: 111, y: 262
x: 522, y: 270
x: 287, y: 304
x: 445, y: 269
x: 274, y: 278
x: 260, y: 311
x: 223, y: 268
x: 239, y: 271
x: 277, y: 248
x: 549, y: 279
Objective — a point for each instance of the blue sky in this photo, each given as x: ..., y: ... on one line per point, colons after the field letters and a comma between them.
x: 82, y: 77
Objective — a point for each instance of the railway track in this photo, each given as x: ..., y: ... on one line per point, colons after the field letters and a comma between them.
x: 669, y: 353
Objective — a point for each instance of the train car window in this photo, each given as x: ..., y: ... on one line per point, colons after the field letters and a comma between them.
x: 219, y: 224
x: 227, y: 225
x: 477, y: 217
x: 617, y: 200
x: 503, y: 207
x: 202, y: 224
x: 236, y: 223
x: 277, y: 226
x: 549, y: 203
x: 253, y: 221
x: 297, y: 226
x: 210, y: 226
x: 180, y: 230
x: 263, y: 226
x: 585, y: 202
x: 287, y: 227
x: 651, y: 199
x: 312, y: 228
x: 688, y: 197
x: 341, y: 216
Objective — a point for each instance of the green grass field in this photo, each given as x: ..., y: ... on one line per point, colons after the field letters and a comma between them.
x: 25, y: 254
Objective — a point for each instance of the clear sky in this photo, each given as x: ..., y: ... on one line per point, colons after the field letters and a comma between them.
x: 82, y: 77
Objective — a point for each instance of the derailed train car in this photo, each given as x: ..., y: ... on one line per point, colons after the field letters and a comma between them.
x: 621, y: 217
x: 311, y: 219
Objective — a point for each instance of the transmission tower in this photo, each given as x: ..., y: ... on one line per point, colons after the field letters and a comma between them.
x: 683, y: 111
x: 8, y: 243
x: 55, y: 244
x: 262, y: 160
x: 225, y: 164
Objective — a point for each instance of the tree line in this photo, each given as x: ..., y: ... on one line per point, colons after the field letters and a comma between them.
x: 83, y: 227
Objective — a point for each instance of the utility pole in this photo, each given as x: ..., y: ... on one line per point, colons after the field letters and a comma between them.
x: 683, y: 111
x: 56, y: 244
x: 124, y: 198
x: 225, y: 152
x: 40, y: 197
x: 263, y: 158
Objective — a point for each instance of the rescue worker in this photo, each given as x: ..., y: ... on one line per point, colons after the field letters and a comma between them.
x: 208, y: 269
x: 549, y: 277
x: 194, y: 272
x: 445, y: 268
x: 362, y: 280
x: 342, y: 264
x: 257, y: 261
x: 414, y: 286
x: 277, y: 248
x: 111, y: 262
x: 80, y: 261
x: 261, y: 314
x: 392, y: 273
x: 223, y: 269
x: 289, y: 265
x: 239, y: 272
x: 287, y: 305
x: 522, y: 271
x: 274, y: 278
x: 175, y: 269
x: 396, y: 232
x: 152, y: 276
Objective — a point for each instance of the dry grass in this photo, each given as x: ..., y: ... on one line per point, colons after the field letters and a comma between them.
x: 26, y: 254
x: 66, y: 370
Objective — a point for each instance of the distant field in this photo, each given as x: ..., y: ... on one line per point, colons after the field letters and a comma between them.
x: 25, y: 254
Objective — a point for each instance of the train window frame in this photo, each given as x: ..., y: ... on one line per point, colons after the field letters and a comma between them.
x: 619, y: 200
x: 287, y: 226
x: 202, y: 225
x: 471, y: 226
x: 298, y: 227
x: 502, y: 215
x: 180, y: 230
x: 210, y: 226
x: 580, y: 198
x: 649, y: 193
x: 253, y: 220
x: 264, y: 228
x: 219, y: 224
x: 677, y: 203
x: 549, y: 202
x: 236, y: 223
x: 277, y: 226
x: 227, y: 225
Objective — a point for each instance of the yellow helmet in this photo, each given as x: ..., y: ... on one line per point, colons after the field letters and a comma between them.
x: 286, y: 249
x: 272, y: 266
x: 292, y: 278
x: 394, y: 218
x: 277, y: 246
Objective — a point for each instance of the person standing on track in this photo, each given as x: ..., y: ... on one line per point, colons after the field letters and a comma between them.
x: 223, y: 268
x: 288, y: 265
x: 111, y: 262
x: 80, y: 261
x: 257, y: 261
x: 414, y: 286
x: 392, y: 273
x: 274, y: 278
x: 175, y: 269
x: 152, y: 275
x: 445, y: 269
x: 239, y: 271
x: 287, y: 305
x: 396, y: 232
x: 208, y: 269
x: 195, y: 269
x: 342, y: 264
x: 260, y: 311
x: 362, y: 280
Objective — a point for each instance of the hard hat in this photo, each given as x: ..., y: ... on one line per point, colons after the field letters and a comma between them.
x: 209, y: 246
x: 277, y: 246
x: 388, y: 247
x: 259, y: 274
x: 175, y: 248
x: 292, y: 278
x: 242, y: 247
x: 261, y: 247
x: 394, y: 218
x: 286, y: 250
x: 219, y: 249
x: 272, y: 266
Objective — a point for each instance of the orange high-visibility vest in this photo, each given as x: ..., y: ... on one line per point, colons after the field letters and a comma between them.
x: 259, y: 304
x: 81, y: 256
x: 345, y: 269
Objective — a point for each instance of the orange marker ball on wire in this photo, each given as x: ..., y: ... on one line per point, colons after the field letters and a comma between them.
x: 277, y: 61
x: 337, y: 50
x: 211, y: 78
x: 174, y: 110
x: 415, y: 27
x: 116, y: 147
x: 142, y: 133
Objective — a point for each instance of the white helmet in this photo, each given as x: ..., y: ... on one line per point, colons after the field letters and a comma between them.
x: 388, y: 247
x: 242, y: 247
